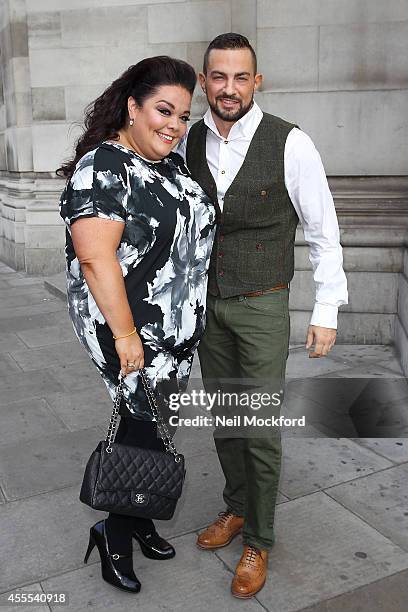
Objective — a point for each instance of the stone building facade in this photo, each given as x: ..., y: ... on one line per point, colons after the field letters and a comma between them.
x: 336, y: 67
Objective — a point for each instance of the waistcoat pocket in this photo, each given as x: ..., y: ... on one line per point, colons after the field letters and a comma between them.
x: 263, y: 202
x: 257, y: 263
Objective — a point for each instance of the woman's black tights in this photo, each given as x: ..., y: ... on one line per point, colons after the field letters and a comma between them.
x: 119, y: 527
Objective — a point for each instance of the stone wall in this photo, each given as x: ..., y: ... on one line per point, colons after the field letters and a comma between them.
x: 336, y: 67
x: 401, y: 323
x: 374, y: 227
x: 339, y: 68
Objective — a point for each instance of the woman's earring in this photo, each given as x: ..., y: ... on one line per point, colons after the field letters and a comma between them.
x: 131, y: 122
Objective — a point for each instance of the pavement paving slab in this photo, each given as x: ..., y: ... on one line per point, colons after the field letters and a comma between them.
x: 309, y: 465
x: 192, y: 441
x: 27, y: 420
x: 387, y: 595
x: 394, y: 449
x: 25, y: 281
x: 7, y: 606
x: 202, y: 496
x: 392, y: 364
x: 342, y: 515
x: 8, y: 365
x: 299, y: 365
x: 352, y: 407
x: 381, y: 500
x: 5, y: 269
x: 45, y: 306
x: 21, y: 296
x: 44, y: 464
x: 9, y: 341
x: 28, y: 385
x: 57, y: 284
x: 14, y: 323
x: 50, y: 533
x: 369, y: 370
x: 193, y: 580
x: 321, y: 551
x: 44, y: 336
x: 53, y: 355
x: 362, y: 353
x: 319, y: 421
x: 82, y: 409
x: 79, y: 376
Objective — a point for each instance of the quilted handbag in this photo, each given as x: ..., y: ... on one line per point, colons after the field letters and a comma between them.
x: 134, y: 481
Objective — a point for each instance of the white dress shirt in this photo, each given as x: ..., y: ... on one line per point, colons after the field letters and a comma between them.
x: 309, y: 192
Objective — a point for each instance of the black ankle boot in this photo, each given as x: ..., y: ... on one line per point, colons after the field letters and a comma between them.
x: 151, y: 544
x: 126, y: 582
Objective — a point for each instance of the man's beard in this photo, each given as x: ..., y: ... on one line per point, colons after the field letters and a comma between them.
x: 232, y: 115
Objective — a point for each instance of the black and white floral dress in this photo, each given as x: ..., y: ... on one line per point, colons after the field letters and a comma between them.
x: 169, y: 226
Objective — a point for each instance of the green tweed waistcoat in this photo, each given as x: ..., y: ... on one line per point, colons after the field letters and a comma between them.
x: 255, y: 237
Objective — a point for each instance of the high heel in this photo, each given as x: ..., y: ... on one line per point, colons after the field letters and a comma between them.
x: 91, y: 546
x: 153, y: 546
x: 97, y: 536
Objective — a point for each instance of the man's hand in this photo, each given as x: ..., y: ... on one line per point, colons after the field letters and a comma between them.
x: 323, y: 338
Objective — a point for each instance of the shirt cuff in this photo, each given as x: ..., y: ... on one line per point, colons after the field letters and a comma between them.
x: 324, y: 315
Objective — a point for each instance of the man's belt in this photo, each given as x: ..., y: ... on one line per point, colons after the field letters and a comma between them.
x: 262, y: 291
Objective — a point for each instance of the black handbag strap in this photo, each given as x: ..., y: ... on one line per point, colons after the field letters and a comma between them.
x: 151, y: 398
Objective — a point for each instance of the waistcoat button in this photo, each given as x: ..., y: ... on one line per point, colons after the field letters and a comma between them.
x: 221, y: 273
x: 263, y: 192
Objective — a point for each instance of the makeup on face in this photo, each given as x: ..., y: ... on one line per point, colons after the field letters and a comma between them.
x: 160, y: 123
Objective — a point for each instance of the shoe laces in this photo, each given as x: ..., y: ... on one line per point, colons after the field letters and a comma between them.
x: 251, y: 555
x: 224, y: 517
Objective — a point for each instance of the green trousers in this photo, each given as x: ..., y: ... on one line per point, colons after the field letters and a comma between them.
x: 248, y: 338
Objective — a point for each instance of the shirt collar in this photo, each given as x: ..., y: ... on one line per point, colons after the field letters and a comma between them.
x: 243, y: 128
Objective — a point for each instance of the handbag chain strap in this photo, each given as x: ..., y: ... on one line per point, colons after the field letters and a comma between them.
x: 161, y: 425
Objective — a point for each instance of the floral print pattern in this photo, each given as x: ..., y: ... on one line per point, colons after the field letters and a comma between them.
x: 169, y: 226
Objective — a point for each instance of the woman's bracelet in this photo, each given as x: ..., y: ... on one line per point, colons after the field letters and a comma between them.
x: 126, y: 335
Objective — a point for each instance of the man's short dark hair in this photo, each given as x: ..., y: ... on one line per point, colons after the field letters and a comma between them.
x: 229, y: 40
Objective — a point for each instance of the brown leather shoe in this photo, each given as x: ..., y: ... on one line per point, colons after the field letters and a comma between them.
x: 250, y: 573
x: 221, y: 532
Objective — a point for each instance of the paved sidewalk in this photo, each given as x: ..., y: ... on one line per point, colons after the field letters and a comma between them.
x: 342, y: 520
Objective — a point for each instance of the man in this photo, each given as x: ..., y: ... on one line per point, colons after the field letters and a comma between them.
x: 264, y: 175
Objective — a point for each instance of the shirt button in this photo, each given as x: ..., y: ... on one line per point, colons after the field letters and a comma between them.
x: 222, y: 171
x: 226, y: 141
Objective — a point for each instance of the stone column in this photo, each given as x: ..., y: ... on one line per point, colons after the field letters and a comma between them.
x: 31, y: 233
x: 401, y: 323
x: 336, y: 68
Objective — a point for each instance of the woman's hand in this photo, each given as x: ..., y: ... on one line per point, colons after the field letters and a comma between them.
x: 131, y: 354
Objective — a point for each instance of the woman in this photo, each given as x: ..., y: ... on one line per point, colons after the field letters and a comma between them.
x: 138, y: 241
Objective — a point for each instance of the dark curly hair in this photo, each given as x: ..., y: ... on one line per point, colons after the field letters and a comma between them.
x: 109, y: 113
